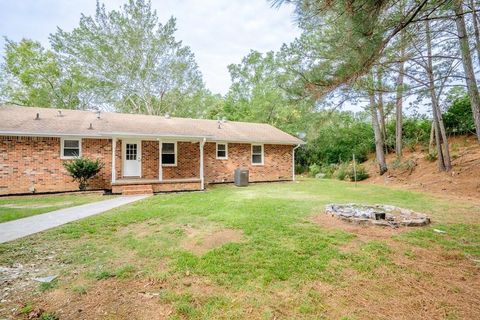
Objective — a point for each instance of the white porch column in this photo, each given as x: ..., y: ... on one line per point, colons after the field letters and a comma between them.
x: 202, y: 178
x: 114, y: 148
x: 160, y: 168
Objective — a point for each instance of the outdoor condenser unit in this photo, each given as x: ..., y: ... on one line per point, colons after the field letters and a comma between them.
x: 241, y: 177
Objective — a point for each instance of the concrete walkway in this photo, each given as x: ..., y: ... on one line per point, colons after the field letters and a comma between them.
x: 15, y: 229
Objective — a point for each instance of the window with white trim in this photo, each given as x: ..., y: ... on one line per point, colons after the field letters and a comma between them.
x: 222, y: 151
x: 70, y: 148
x: 169, y: 153
x: 257, y: 154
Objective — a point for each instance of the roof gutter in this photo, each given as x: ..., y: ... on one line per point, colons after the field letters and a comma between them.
x: 108, y: 135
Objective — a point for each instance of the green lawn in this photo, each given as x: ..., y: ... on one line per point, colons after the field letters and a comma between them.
x: 281, y: 263
x: 17, y: 207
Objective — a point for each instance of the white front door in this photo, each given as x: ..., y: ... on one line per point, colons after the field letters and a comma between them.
x: 132, y: 160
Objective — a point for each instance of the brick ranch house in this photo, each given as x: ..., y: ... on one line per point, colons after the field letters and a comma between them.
x: 140, y: 153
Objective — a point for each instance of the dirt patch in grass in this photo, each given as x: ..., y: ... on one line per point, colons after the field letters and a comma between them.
x: 199, y: 241
x: 424, y: 287
x: 142, y: 229
x: 430, y: 283
x: 107, y: 299
x: 363, y: 233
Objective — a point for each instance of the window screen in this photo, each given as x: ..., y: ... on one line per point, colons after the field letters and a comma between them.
x: 168, y: 153
x: 221, y: 151
x: 257, y: 154
x: 71, y: 148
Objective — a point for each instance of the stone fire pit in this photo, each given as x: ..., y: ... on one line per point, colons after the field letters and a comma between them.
x: 381, y: 215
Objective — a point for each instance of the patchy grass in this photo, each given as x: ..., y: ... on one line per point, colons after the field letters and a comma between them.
x: 262, y: 256
x: 17, y: 207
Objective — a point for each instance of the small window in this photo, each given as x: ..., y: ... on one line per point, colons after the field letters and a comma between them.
x: 257, y: 154
x: 222, y: 151
x: 169, y: 156
x: 70, y: 148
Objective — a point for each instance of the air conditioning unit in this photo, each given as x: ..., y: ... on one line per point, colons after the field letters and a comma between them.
x: 241, y: 177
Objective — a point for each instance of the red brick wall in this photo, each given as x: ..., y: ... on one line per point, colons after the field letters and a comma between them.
x: 277, y: 163
x: 35, y: 162
x: 150, y: 159
x: 27, y: 162
x: 99, y: 149
x: 188, y: 162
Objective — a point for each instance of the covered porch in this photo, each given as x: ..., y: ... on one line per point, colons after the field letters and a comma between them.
x: 145, y: 165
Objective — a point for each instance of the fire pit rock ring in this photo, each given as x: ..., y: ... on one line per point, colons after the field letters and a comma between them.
x: 380, y: 215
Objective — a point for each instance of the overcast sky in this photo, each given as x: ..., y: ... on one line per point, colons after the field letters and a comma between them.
x: 219, y: 32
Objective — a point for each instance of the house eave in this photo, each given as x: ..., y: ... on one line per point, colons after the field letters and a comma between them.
x: 119, y: 135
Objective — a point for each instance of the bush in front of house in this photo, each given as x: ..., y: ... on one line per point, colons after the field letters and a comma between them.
x: 83, y: 169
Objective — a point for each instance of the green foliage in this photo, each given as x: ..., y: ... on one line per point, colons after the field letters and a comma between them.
x: 48, y: 316
x: 135, y: 62
x: 314, y: 169
x: 44, y: 286
x: 26, y: 309
x: 125, y: 272
x: 431, y: 156
x: 34, y: 76
x: 342, y: 39
x: 102, y: 274
x: 80, y: 289
x: 335, y: 138
x: 361, y: 173
x: 342, y: 171
x: 328, y: 170
x: 415, y: 131
x: 83, y: 169
x: 458, y: 118
x: 123, y: 59
x: 258, y: 94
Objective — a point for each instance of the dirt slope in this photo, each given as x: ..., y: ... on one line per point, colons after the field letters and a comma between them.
x: 415, y: 172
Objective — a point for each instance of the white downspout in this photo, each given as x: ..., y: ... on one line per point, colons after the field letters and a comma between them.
x: 160, y: 168
x: 293, y: 162
x: 202, y: 178
x: 114, y: 149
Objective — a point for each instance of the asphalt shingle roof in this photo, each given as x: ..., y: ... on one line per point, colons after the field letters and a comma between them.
x: 15, y: 120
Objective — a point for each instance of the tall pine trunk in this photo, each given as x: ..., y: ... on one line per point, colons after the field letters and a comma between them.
x: 399, y: 107
x: 399, y: 93
x: 475, y: 28
x: 380, y: 107
x: 380, y: 155
x: 444, y: 163
x: 467, y: 64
